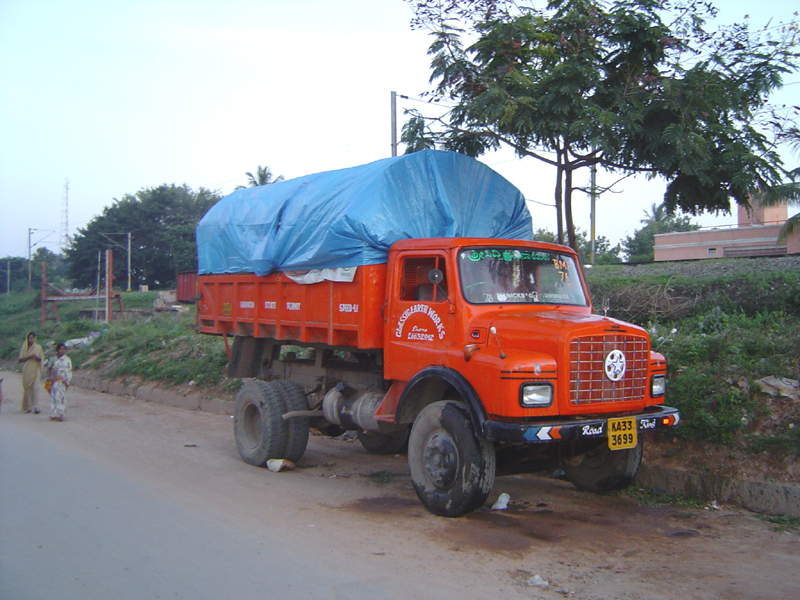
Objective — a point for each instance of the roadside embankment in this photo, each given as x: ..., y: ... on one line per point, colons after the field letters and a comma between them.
x: 152, y: 392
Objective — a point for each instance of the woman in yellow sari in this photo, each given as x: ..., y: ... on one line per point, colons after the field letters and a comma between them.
x: 31, y: 355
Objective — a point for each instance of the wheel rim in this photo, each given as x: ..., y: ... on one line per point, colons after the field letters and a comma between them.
x: 440, y: 460
x: 251, y: 421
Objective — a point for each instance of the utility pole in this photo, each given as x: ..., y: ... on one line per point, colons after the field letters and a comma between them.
x: 592, y: 211
x: 107, y: 236
x: 394, y: 123
x: 65, y: 217
x: 29, y: 257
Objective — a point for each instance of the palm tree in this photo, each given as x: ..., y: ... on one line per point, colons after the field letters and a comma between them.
x: 263, y: 176
x: 657, y: 215
x: 788, y: 192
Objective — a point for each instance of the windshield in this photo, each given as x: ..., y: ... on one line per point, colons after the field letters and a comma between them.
x: 502, y: 275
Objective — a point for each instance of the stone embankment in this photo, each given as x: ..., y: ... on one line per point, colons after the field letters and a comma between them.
x: 152, y: 392
x: 759, y: 496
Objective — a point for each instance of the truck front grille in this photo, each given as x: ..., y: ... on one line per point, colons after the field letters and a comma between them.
x: 588, y: 381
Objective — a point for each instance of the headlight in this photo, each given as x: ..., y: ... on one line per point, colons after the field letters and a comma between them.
x: 536, y: 394
x: 658, y: 385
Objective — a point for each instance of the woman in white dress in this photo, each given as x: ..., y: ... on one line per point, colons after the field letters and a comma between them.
x: 60, y: 376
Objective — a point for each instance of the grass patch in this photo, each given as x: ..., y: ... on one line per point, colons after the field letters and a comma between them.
x: 651, y: 497
x: 784, y: 443
x: 159, y: 348
x: 782, y: 522
x: 162, y: 347
x: 383, y: 477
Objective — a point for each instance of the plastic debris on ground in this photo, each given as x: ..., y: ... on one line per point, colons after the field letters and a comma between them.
x: 502, y: 502
x: 77, y: 343
x: 538, y: 581
x: 279, y: 464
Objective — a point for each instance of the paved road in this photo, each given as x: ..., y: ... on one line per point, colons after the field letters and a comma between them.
x: 130, y: 500
x: 73, y: 528
x: 76, y: 524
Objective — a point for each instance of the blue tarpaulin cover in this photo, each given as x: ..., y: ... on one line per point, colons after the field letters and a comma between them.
x: 350, y: 217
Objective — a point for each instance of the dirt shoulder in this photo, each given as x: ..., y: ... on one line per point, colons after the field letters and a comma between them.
x: 764, y: 482
x: 344, y: 506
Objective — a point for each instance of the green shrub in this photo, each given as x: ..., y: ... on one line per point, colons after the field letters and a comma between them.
x: 710, y: 407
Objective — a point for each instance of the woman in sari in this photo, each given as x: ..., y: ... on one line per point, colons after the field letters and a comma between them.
x: 60, y: 376
x: 31, y: 355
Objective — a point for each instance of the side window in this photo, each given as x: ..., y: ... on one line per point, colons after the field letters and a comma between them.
x: 416, y: 285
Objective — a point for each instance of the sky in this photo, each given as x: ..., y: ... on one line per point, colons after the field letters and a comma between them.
x: 102, y: 98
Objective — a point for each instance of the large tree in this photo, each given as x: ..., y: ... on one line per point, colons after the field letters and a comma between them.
x: 612, y: 83
x: 161, y: 222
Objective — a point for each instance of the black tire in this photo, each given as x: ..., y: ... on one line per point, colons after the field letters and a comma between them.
x: 297, y: 427
x: 452, y: 471
x: 603, y: 470
x: 258, y: 424
x: 378, y: 443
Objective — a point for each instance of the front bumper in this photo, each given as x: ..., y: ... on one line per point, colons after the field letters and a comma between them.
x: 653, y: 418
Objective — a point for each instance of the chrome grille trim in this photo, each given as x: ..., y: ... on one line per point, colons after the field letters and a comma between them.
x: 588, y: 382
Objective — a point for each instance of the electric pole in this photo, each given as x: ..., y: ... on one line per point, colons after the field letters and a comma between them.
x: 394, y: 123
x: 29, y: 257
x: 65, y: 217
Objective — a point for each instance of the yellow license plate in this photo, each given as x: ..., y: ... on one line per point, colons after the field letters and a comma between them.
x: 622, y: 433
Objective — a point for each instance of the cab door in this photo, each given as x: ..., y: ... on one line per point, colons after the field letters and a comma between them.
x: 421, y: 319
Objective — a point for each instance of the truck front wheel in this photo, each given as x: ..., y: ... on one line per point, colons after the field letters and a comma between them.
x: 258, y: 425
x: 452, y: 470
x: 604, y: 470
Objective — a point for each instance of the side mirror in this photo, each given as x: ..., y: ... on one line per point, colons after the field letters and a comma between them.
x: 435, y: 276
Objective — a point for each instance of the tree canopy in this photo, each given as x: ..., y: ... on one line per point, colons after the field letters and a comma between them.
x: 263, y: 176
x: 605, y: 253
x: 613, y: 83
x: 161, y: 222
x: 640, y: 247
x: 14, y: 271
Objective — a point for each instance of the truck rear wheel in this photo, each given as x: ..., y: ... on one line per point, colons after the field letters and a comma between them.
x: 452, y: 471
x: 379, y: 443
x: 297, y: 427
x: 258, y: 425
x: 604, y: 470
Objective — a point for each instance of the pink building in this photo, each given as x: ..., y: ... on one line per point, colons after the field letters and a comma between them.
x: 755, y: 235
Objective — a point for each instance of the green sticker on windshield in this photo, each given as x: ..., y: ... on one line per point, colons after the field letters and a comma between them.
x: 506, y: 255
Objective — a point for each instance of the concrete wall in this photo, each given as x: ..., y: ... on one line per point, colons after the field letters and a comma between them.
x: 753, y: 240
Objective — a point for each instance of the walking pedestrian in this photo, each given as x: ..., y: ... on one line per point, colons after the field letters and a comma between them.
x: 31, y: 355
x: 59, y: 378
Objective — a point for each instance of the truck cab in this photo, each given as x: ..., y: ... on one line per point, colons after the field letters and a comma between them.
x: 505, y: 329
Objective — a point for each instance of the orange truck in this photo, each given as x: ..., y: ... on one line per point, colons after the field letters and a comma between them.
x: 406, y: 300
x: 477, y: 355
